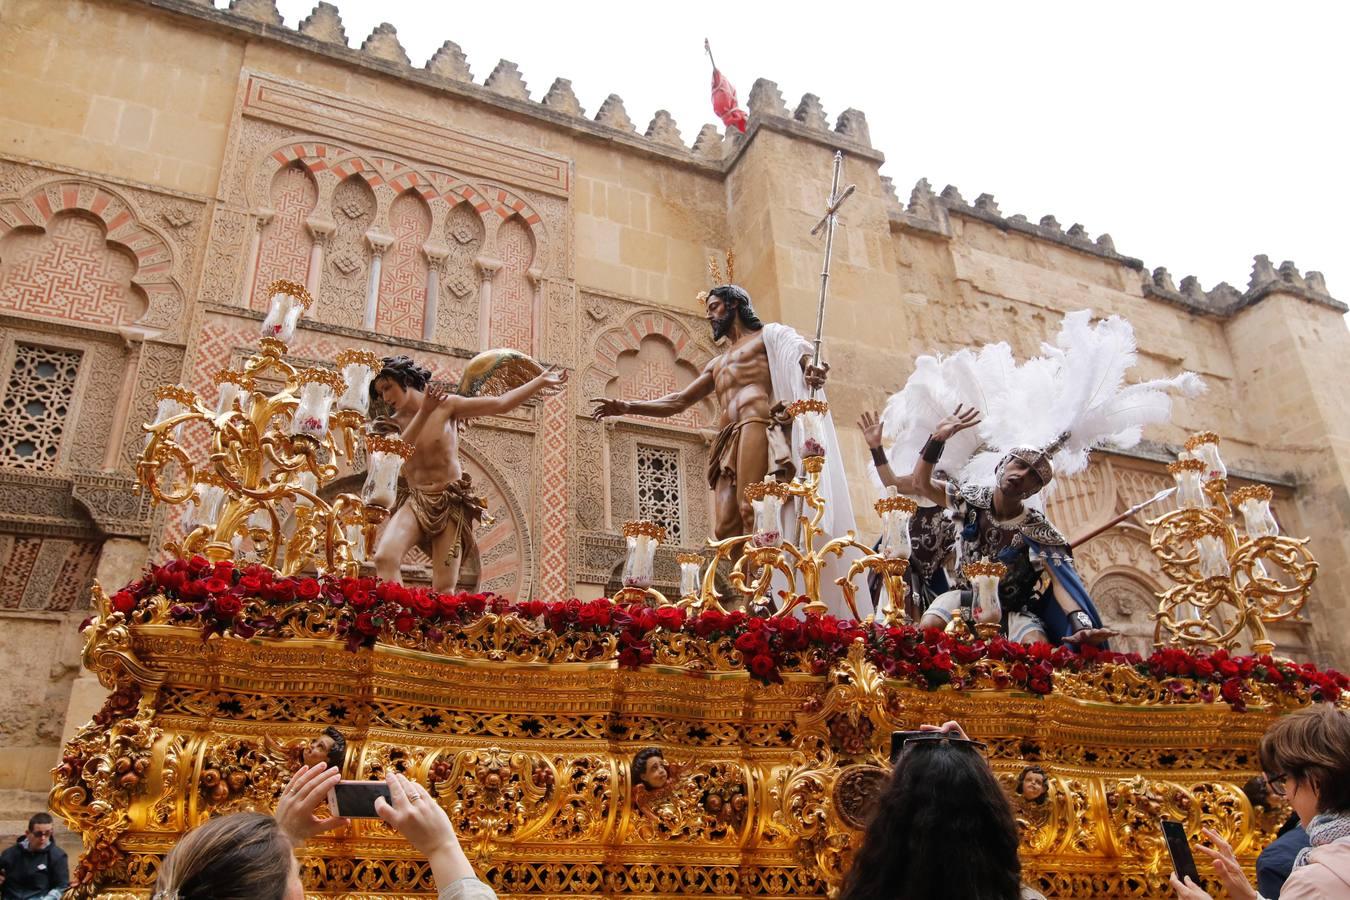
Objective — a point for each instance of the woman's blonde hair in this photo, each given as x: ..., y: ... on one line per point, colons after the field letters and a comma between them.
x: 240, y: 856
x: 1312, y: 745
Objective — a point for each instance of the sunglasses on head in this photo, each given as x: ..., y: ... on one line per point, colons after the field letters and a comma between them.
x: 901, y: 740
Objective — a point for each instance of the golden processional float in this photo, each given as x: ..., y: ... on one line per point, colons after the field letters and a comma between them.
x: 526, y: 719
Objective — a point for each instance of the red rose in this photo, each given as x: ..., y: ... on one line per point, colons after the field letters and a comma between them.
x: 123, y: 602
x: 1231, y: 690
x: 762, y: 666
x: 389, y: 591
x: 1204, y: 668
x: 1228, y: 669
x: 198, y: 565
x: 532, y: 609
x: 752, y: 644
x: 670, y: 618
x: 227, y: 606
x: 216, y: 585
x: 307, y: 588
x: 365, y: 624
x: 422, y: 603
x: 448, y: 606
x: 405, y: 622
x: 250, y: 584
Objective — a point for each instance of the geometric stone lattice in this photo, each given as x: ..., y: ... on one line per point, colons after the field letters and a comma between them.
x: 37, y: 401
x: 658, y: 483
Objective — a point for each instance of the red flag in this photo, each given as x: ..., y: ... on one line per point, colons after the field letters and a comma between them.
x: 724, y: 96
x: 724, y: 102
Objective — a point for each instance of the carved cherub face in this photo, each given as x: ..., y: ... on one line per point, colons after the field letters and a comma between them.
x: 1033, y: 786
x: 316, y: 751
x: 655, y: 775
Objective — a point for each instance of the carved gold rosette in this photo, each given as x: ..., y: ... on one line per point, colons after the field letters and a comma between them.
x: 528, y: 747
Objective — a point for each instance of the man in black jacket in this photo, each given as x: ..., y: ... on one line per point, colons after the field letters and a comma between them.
x: 34, y: 868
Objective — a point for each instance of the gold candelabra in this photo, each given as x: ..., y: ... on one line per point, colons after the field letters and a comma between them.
x: 270, y: 454
x: 1229, y: 579
x: 890, y: 561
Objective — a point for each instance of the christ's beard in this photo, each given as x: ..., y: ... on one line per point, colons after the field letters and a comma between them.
x: 720, y: 327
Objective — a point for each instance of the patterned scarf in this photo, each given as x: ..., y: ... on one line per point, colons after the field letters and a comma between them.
x: 1322, y: 830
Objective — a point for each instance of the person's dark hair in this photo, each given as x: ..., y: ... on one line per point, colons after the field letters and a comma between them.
x: 339, y: 751
x: 1312, y: 745
x: 1257, y: 791
x: 640, y: 762
x: 240, y: 856
x: 942, y: 798
x: 733, y: 295
x: 41, y: 818
x: 402, y: 370
x: 1037, y: 770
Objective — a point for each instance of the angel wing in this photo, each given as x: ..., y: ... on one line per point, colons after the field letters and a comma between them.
x: 494, y: 372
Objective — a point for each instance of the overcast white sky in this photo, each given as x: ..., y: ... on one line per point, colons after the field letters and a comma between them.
x: 1196, y: 133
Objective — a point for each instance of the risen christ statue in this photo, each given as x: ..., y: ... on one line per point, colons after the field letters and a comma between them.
x: 764, y: 368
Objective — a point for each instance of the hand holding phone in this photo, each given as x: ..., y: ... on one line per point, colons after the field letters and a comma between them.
x: 356, y: 799
x: 1183, y: 862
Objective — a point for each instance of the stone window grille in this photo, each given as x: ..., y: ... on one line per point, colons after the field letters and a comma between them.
x: 658, y: 489
x: 37, y: 403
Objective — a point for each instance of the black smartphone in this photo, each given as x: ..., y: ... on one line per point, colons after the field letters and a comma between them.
x: 898, y: 739
x: 1183, y: 862
x: 356, y: 799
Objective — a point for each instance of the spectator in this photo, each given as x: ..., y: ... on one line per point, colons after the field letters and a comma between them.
x: 942, y: 799
x: 1306, y: 757
x: 34, y: 868
x: 250, y: 856
x: 1277, y: 860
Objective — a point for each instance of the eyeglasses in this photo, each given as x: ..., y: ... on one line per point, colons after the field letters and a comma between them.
x: 1277, y: 783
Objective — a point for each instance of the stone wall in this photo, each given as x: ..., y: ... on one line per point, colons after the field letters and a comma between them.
x: 163, y: 159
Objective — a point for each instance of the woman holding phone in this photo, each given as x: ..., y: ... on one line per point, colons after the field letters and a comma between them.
x: 1306, y: 758
x: 251, y: 856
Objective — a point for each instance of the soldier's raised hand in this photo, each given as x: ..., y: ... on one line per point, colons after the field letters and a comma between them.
x: 870, y: 424
x: 960, y: 419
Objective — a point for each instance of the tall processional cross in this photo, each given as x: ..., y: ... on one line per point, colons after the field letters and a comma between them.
x: 830, y: 220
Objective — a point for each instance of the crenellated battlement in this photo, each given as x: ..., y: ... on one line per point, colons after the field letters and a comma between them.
x: 931, y: 212
x: 322, y: 31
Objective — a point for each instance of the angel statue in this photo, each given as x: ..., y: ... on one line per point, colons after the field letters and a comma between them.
x: 440, y: 509
x: 1041, y: 418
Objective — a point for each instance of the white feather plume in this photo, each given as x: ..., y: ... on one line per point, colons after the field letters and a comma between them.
x: 1077, y: 385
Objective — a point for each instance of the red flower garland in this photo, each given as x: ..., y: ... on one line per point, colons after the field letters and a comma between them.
x: 215, y: 595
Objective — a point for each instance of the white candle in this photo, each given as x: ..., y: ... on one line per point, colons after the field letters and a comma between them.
x: 309, y: 482
x: 318, y: 390
x: 689, y: 575
x: 358, y: 370
x: 384, y: 461
x: 896, y: 513
x: 639, y: 567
